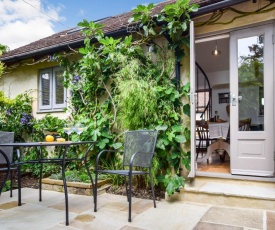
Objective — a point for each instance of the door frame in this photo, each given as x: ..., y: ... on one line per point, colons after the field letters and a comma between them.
x: 208, y: 37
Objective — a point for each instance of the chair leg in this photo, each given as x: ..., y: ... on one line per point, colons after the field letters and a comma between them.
x: 95, y: 192
x: 11, y: 184
x: 152, y: 187
x: 40, y: 182
x: 127, y: 190
x: 130, y: 198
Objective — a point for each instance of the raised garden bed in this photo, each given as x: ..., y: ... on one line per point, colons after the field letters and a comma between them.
x: 79, y: 188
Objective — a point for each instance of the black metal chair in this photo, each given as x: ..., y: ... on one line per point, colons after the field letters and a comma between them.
x: 139, y: 149
x: 6, y: 159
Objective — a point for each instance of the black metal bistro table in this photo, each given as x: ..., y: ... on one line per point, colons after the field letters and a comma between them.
x: 61, y: 159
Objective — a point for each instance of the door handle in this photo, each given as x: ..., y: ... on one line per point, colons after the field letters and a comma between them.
x: 233, y: 100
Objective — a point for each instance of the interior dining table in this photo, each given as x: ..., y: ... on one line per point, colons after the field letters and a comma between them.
x: 218, y: 133
x: 61, y: 159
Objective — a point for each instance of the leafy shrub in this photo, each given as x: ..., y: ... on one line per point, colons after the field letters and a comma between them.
x: 76, y: 176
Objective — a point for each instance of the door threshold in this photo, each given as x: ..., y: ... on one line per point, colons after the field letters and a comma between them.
x: 237, y: 177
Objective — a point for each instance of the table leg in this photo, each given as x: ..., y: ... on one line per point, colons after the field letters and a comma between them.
x: 65, y: 186
x: 19, y: 175
x: 19, y: 184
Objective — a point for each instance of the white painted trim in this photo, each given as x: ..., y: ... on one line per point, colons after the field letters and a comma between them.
x: 192, y: 102
x: 212, y: 38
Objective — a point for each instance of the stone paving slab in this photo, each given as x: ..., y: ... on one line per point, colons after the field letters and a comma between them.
x: 30, y: 216
x: 113, y: 214
x: 235, y: 217
x: 270, y: 220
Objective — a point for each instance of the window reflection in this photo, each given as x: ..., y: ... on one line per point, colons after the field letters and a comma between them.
x: 251, y: 79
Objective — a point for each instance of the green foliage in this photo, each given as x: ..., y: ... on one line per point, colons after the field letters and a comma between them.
x: 174, y: 19
x: 2, y: 68
x: 3, y: 49
x: 49, y: 123
x: 114, y: 85
x: 114, y: 163
x: 16, y: 115
x: 6, y: 186
x: 31, y: 154
x: 76, y: 176
x: 137, y: 103
x: 173, y: 183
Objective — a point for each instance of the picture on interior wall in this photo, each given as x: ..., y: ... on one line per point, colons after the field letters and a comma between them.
x: 224, y: 98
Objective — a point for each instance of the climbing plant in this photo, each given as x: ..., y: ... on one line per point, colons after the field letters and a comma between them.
x: 115, y: 86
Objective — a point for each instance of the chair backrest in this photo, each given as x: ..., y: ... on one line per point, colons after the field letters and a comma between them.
x: 202, y: 131
x: 6, y: 137
x: 140, y: 141
x: 244, y: 124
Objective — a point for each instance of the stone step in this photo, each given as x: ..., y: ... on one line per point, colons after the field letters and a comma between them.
x: 228, y: 192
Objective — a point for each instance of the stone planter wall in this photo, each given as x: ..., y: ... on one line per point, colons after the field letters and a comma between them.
x: 72, y: 187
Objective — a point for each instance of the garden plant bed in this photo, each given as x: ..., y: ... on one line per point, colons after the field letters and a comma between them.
x: 79, y: 188
x: 29, y: 181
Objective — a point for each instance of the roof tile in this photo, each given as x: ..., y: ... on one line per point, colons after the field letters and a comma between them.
x: 67, y: 37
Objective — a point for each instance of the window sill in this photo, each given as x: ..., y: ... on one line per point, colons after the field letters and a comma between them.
x: 51, y: 111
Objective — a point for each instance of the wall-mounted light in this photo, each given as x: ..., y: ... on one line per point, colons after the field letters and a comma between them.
x: 216, y: 51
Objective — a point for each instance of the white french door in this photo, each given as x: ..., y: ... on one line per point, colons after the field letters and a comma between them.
x: 252, y: 99
x: 192, y: 101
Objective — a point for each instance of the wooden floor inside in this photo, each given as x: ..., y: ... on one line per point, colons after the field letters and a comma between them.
x: 215, y: 164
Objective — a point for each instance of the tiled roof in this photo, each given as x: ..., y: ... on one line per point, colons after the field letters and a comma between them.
x: 74, y: 38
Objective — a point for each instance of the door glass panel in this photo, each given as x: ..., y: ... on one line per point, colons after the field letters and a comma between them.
x: 251, y: 83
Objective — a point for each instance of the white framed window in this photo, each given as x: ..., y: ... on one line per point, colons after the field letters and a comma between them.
x: 52, y: 93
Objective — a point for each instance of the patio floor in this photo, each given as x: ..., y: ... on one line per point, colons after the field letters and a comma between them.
x: 113, y: 214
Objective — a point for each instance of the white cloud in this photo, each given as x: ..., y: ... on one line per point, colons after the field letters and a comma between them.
x: 21, y: 24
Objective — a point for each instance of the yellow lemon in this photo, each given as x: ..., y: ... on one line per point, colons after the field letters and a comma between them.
x: 60, y: 140
x: 49, y: 138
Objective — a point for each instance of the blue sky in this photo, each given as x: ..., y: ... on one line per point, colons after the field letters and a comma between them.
x: 76, y: 10
x: 25, y: 21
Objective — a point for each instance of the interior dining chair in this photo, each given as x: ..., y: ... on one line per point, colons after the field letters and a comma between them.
x: 7, y: 165
x: 203, y: 139
x: 139, y: 149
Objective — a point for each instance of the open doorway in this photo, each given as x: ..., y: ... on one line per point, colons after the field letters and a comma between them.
x: 213, y: 98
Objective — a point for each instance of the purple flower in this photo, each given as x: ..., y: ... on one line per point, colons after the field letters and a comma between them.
x: 25, y: 119
x: 9, y: 111
x: 76, y: 79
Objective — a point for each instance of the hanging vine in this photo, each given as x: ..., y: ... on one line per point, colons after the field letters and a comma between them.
x: 216, y: 16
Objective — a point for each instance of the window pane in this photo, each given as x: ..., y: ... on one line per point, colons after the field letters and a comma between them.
x: 45, y: 84
x: 202, y: 101
x: 251, y: 81
x: 59, y: 88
